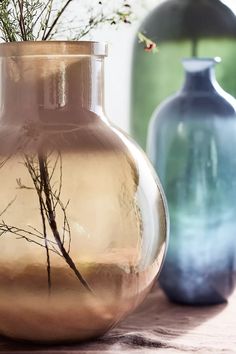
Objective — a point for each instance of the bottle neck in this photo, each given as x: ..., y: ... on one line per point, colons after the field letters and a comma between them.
x: 200, y: 81
x: 200, y: 74
x: 51, y: 89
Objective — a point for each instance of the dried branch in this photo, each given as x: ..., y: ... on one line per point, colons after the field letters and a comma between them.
x: 22, y: 186
x: 19, y: 19
x: 24, y: 234
x: 49, y: 201
x: 45, y: 236
x: 45, y: 183
x: 56, y: 19
x: 22, y: 20
x: 47, y: 18
x: 7, y: 22
x: 8, y: 206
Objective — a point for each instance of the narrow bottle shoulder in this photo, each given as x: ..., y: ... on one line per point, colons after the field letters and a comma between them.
x: 197, y: 105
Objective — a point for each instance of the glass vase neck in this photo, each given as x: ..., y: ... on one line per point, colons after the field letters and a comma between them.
x: 51, y: 81
x: 200, y: 74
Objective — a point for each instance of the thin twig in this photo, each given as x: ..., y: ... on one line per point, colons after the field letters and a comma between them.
x: 52, y: 222
x: 21, y: 234
x: 8, y: 206
x: 22, y: 20
x: 57, y: 18
x: 19, y: 19
x: 45, y: 238
x: 49, y: 13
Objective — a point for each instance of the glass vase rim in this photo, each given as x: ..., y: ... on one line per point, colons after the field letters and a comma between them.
x: 196, y: 64
x: 53, y: 48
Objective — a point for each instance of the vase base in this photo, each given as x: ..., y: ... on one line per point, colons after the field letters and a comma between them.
x: 197, y: 289
x: 196, y: 302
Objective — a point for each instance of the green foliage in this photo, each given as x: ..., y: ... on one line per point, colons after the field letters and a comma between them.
x: 31, y: 20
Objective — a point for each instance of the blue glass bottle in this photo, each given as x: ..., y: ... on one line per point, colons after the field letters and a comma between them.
x: 192, y: 144
x: 181, y: 30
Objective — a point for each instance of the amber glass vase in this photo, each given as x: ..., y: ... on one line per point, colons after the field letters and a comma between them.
x: 83, y: 221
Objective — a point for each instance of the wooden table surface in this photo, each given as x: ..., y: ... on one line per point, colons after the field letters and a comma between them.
x: 158, y: 326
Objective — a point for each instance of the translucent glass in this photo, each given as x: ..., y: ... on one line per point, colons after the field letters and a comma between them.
x: 192, y: 141
x: 83, y: 222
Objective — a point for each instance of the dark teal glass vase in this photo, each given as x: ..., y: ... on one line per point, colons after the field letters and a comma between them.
x: 192, y: 144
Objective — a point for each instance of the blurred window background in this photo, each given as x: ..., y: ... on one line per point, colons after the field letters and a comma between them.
x: 118, y: 65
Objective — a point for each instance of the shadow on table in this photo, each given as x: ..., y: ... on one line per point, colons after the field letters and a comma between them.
x: 154, y: 325
x: 158, y: 322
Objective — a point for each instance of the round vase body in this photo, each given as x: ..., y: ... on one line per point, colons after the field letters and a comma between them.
x: 83, y: 222
x: 192, y: 139
x: 181, y: 28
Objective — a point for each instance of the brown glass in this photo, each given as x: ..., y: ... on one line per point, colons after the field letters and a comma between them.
x: 83, y: 222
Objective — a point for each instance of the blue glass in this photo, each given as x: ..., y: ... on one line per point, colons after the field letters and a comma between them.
x: 192, y: 144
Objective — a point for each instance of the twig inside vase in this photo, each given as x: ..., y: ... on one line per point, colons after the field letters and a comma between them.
x: 50, y: 212
x: 41, y: 172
